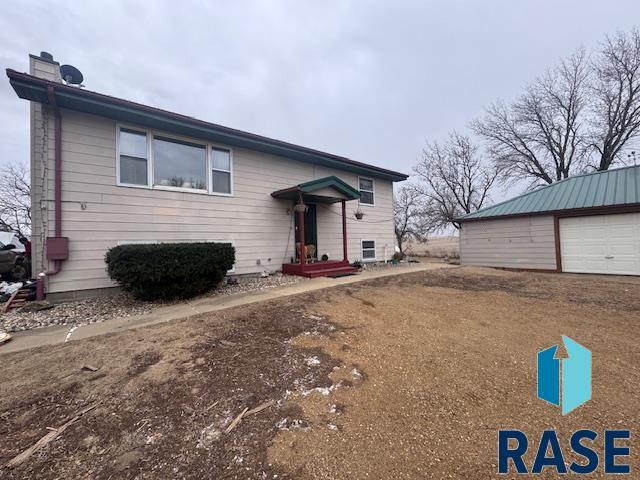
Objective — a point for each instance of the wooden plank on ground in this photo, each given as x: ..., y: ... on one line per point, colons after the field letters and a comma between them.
x: 236, y: 421
x: 7, y: 305
x: 49, y: 437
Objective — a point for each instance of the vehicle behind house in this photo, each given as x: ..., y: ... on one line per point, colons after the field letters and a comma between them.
x: 10, y: 238
x: 14, y: 265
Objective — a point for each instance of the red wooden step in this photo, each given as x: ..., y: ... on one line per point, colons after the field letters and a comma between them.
x: 328, y: 272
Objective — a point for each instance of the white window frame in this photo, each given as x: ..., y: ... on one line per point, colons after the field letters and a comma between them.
x: 179, y: 138
x: 211, y: 170
x: 151, y: 134
x: 149, y: 170
x: 362, y: 249
x: 138, y: 242
x: 372, y: 191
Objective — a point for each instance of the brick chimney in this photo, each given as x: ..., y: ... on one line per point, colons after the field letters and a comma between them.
x: 44, y: 66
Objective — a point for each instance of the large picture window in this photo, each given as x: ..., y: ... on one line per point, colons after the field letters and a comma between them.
x: 366, y: 191
x: 179, y: 164
x: 133, y: 158
x: 149, y: 160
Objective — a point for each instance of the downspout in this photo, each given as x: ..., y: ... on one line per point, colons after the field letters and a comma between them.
x: 57, y: 264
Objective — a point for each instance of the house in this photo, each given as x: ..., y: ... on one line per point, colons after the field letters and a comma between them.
x: 584, y: 224
x: 107, y: 171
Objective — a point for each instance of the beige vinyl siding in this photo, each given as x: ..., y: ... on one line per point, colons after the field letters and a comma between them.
x: 97, y: 213
x: 42, y: 126
x: 527, y: 242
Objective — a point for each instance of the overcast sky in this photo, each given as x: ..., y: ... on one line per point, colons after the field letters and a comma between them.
x: 369, y: 80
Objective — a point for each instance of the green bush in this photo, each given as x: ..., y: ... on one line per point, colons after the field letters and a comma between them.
x: 169, y: 270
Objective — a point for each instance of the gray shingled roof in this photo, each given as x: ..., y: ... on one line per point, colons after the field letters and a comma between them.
x: 620, y: 186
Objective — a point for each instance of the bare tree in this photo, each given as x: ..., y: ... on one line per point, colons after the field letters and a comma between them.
x: 412, y: 214
x: 540, y: 136
x: 15, y: 199
x: 454, y: 178
x: 616, y: 97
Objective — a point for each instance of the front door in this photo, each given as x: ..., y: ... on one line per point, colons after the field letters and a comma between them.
x: 310, y: 227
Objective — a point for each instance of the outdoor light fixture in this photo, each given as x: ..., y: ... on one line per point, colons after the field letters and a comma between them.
x: 300, y: 207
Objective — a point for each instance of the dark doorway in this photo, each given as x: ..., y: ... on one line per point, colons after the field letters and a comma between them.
x: 310, y: 227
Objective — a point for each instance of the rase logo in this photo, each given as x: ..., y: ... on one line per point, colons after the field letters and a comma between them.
x: 564, y: 381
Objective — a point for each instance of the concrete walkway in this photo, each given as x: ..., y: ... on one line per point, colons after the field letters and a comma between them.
x: 61, y: 333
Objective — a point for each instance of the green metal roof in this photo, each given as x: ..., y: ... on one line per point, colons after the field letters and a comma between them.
x: 346, y: 191
x: 610, y: 188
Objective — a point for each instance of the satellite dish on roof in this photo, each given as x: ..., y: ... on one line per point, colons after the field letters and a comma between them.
x: 71, y: 75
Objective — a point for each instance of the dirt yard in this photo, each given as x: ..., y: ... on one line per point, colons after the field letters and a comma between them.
x: 402, y: 377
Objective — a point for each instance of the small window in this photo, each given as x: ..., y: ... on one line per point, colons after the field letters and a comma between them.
x: 138, y: 242
x: 179, y: 164
x: 134, y: 164
x: 220, y: 171
x: 366, y: 191
x: 368, y: 250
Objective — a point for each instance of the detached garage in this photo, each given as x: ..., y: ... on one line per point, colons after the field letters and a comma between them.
x: 584, y: 224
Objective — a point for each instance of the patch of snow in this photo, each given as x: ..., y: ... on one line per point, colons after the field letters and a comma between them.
x: 208, y: 435
x: 295, y: 424
x: 325, y: 391
x: 312, y: 361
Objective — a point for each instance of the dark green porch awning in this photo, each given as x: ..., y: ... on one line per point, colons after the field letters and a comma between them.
x: 325, y: 190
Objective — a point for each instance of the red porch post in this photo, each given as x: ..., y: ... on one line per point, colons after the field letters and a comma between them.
x: 344, y: 231
x: 302, y: 253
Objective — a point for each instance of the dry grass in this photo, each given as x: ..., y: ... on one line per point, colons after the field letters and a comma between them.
x: 449, y: 358
x: 415, y: 375
x: 435, y: 247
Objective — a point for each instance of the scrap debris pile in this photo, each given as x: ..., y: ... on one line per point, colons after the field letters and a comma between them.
x: 7, y: 289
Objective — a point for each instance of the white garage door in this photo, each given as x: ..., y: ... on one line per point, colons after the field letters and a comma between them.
x: 601, y: 244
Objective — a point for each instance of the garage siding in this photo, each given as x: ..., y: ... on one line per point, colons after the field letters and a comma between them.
x: 527, y: 242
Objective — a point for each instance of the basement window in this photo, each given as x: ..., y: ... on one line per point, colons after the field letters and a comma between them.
x: 368, y: 250
x: 133, y: 167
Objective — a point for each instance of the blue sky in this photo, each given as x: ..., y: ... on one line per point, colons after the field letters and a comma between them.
x: 370, y: 80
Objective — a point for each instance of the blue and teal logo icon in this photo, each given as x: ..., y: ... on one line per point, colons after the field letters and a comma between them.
x: 565, y: 382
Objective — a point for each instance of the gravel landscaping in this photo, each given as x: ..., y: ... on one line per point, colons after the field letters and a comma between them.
x: 95, y: 310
